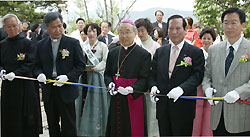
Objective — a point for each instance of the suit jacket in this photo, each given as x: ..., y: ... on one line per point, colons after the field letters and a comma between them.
x: 35, y: 38
x: 237, y: 115
x: 164, y: 27
x: 188, y: 78
x: 72, y: 66
x: 102, y: 39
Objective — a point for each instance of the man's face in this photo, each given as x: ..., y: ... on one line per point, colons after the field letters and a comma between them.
x: 11, y: 27
x: 105, y: 28
x: 25, y: 25
x: 126, y: 34
x: 232, y: 26
x: 80, y: 25
x: 176, y: 31
x: 158, y: 17
x: 55, y: 29
x: 37, y: 30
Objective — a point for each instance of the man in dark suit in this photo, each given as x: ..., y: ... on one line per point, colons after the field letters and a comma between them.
x: 105, y: 37
x: 159, y: 23
x: 36, y: 33
x: 177, y: 69
x: 59, y: 57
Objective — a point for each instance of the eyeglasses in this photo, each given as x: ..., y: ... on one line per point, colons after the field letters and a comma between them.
x: 11, y: 26
x: 125, y: 33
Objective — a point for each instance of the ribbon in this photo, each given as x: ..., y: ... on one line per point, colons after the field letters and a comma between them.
x: 92, y: 86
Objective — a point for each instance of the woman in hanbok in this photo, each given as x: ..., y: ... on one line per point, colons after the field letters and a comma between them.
x: 145, y: 27
x: 92, y: 118
x: 202, y: 117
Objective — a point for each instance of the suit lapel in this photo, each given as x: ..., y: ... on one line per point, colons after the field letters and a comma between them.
x: 50, y: 49
x: 237, y: 56
x: 166, y: 65
x: 59, y: 55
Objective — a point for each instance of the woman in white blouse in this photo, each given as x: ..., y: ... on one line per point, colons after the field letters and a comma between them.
x: 92, y: 118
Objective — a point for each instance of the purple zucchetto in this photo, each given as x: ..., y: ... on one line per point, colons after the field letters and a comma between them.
x: 128, y: 21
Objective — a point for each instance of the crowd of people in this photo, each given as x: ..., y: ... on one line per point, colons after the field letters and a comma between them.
x: 96, y: 83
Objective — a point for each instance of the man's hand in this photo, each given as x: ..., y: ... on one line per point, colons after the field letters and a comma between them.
x: 125, y: 91
x: 175, y: 93
x: 41, y: 78
x: 232, y: 96
x: 209, y: 92
x: 3, y: 74
x: 10, y: 76
x: 153, y: 92
x: 111, y: 89
x: 62, y: 78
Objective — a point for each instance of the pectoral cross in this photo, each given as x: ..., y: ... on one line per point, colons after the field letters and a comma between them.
x: 117, y: 75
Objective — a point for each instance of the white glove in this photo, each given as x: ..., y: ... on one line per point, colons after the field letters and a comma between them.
x: 41, y: 78
x: 125, y: 91
x: 232, y: 96
x: 62, y: 78
x: 154, y: 91
x: 209, y: 92
x: 10, y: 76
x: 175, y: 93
x: 2, y: 74
x: 111, y: 89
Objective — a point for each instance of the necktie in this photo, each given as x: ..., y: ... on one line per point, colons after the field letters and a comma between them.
x: 229, y: 59
x: 173, y: 59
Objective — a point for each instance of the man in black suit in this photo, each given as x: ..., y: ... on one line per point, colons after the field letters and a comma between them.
x: 36, y: 33
x: 59, y: 57
x: 177, y: 70
x: 159, y: 23
x: 105, y: 37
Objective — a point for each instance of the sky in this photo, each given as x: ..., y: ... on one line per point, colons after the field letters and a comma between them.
x: 141, y: 5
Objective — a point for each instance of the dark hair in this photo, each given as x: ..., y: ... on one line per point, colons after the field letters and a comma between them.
x: 241, y: 13
x: 190, y: 21
x: 184, y: 23
x: 109, y: 23
x: 210, y: 31
x: 80, y: 19
x: 160, y: 32
x: 144, y: 22
x: 34, y: 26
x: 51, y: 17
x: 93, y: 26
x: 160, y: 12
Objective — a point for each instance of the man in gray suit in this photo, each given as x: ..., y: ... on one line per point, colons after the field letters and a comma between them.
x: 227, y: 75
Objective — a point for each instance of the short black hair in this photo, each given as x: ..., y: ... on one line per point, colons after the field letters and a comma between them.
x: 109, y: 23
x: 93, y: 26
x: 210, y: 31
x: 160, y: 12
x: 184, y: 23
x: 144, y: 22
x: 160, y: 32
x: 80, y: 19
x: 241, y: 13
x: 51, y: 17
x: 34, y: 26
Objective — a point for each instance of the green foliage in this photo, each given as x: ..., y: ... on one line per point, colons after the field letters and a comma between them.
x: 209, y: 12
x: 25, y: 10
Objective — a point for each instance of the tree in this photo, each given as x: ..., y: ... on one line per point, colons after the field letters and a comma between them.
x: 112, y: 13
x: 27, y: 10
x: 209, y: 12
